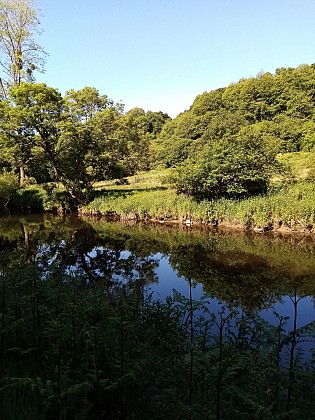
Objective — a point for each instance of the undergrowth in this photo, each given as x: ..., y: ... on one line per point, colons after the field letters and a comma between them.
x: 75, y: 350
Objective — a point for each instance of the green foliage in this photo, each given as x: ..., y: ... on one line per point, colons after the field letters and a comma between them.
x: 45, y: 197
x: 83, y: 336
x: 280, y: 106
x: 83, y: 104
x: 8, y: 185
x: 78, y: 139
x: 238, y: 168
x: 289, y: 207
x: 175, y: 152
x: 31, y: 199
x: 156, y: 204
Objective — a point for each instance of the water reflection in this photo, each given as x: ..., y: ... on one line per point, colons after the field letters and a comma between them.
x: 247, y: 271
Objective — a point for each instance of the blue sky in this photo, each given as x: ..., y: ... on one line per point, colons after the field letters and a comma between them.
x: 160, y: 54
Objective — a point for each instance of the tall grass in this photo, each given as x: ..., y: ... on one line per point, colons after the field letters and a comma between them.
x: 292, y: 206
x: 156, y: 204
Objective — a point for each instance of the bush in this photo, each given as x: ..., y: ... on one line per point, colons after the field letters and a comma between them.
x: 45, y: 197
x: 8, y: 185
x: 235, y: 167
x: 34, y: 198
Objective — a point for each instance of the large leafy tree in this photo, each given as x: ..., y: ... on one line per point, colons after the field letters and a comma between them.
x: 37, y: 111
x: 90, y: 132
x: 61, y: 130
x: 83, y: 137
x: 84, y: 103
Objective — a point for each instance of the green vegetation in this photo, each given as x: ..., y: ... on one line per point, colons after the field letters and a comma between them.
x: 223, y: 161
x: 292, y: 206
x: 81, y: 336
x: 8, y: 186
x: 159, y: 204
x: 226, y: 144
x: 80, y: 356
x: 300, y: 164
x: 42, y: 197
x: 155, y: 178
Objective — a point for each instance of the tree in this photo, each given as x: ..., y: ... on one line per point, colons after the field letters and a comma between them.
x: 59, y: 128
x: 15, y: 141
x: 20, y: 55
x: 83, y: 137
x: 8, y: 185
x: 83, y: 104
x: 156, y: 121
x: 39, y: 111
x: 133, y: 138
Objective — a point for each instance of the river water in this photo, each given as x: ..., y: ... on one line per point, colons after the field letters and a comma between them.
x: 262, y: 273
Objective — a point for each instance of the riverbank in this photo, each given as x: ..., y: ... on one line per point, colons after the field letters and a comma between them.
x: 289, y: 208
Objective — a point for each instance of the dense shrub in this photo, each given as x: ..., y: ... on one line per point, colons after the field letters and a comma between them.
x: 45, y: 197
x: 237, y: 167
x: 8, y: 185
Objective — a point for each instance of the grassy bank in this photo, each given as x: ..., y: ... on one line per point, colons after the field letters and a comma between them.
x: 150, y: 196
x: 292, y: 207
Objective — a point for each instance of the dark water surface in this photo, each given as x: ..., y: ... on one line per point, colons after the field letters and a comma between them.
x: 270, y: 276
x: 250, y: 271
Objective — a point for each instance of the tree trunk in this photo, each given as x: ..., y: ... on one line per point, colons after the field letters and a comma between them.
x: 22, y: 175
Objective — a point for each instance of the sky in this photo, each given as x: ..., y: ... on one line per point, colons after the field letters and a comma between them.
x: 160, y: 54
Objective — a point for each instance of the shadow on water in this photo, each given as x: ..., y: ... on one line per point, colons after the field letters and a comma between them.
x: 104, y: 320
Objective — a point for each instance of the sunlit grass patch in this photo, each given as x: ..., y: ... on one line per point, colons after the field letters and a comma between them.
x: 300, y: 163
x: 143, y: 180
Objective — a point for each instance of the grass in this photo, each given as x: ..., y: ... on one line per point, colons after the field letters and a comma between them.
x: 143, y: 180
x: 292, y: 206
x: 149, y: 195
x: 153, y: 203
x: 300, y: 163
